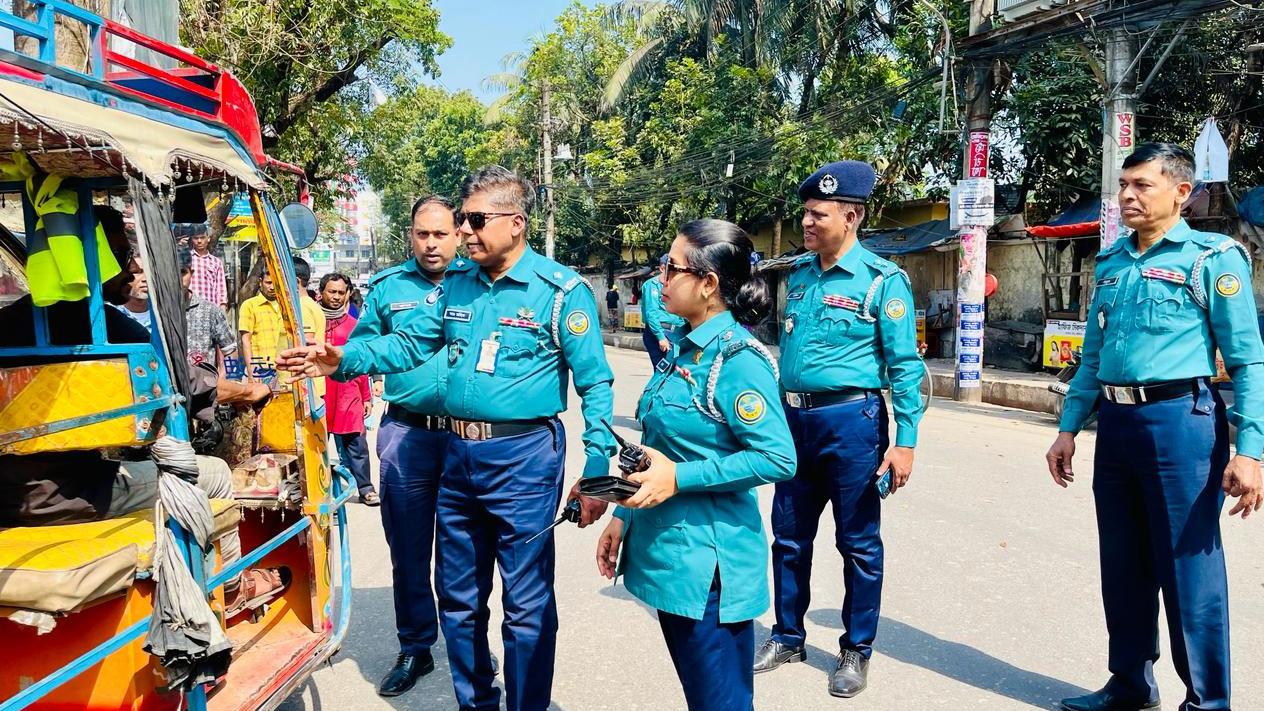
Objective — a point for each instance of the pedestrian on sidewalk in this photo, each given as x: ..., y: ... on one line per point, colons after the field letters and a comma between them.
x: 347, y: 404
x: 849, y: 325
x: 612, y: 306
x: 658, y: 325
x: 1167, y: 298
x: 413, y: 438
x: 517, y: 329
x: 695, y: 548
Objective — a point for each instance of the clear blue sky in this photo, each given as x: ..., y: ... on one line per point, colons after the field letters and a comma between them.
x: 484, y: 31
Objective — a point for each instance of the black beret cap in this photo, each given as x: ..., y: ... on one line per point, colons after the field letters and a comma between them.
x: 845, y: 181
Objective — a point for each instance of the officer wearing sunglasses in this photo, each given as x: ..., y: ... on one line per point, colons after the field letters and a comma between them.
x: 849, y: 327
x: 516, y: 330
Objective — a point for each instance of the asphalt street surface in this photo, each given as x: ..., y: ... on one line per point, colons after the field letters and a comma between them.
x: 991, y: 597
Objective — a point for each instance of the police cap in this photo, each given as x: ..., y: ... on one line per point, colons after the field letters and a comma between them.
x: 844, y: 181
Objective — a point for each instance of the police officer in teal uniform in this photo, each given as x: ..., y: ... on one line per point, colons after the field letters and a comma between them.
x: 1166, y: 298
x: 413, y: 439
x: 692, y: 536
x: 659, y: 326
x: 517, y: 329
x: 849, y: 330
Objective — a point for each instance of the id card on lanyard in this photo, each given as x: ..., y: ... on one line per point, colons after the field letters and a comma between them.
x: 487, y: 350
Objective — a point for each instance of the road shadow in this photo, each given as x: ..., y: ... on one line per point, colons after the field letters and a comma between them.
x: 369, y: 651
x: 960, y: 662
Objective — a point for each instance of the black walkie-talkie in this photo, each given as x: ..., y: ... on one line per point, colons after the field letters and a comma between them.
x: 632, y: 457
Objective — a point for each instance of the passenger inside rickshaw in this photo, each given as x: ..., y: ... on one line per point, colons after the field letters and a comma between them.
x: 62, y: 488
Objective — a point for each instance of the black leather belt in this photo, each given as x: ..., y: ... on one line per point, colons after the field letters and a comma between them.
x: 808, y: 401
x: 1141, y: 394
x: 434, y: 423
x: 481, y: 431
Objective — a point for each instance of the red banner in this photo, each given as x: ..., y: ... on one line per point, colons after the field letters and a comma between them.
x: 979, y: 154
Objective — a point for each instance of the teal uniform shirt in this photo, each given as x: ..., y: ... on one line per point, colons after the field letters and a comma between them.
x: 671, y: 552
x: 663, y: 324
x: 511, y: 345
x: 852, y: 326
x: 396, y: 293
x: 1146, y: 326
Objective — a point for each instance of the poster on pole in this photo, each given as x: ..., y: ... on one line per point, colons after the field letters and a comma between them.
x: 978, y: 154
x: 1062, y: 339
x: 970, y: 312
x: 974, y: 202
x: 1122, y: 132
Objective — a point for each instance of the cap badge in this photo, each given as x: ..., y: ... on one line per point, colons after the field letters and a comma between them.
x: 828, y: 184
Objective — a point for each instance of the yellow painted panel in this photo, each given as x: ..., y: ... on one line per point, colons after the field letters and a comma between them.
x: 37, y: 395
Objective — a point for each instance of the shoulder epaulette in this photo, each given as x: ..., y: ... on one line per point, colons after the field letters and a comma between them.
x: 803, y: 260
x: 1117, y: 245
x: 463, y: 264
x: 385, y: 273
x: 1221, y: 245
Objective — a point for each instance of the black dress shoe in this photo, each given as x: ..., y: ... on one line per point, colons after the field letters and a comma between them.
x: 1106, y: 700
x: 773, y: 654
x: 407, y: 670
x: 850, y: 676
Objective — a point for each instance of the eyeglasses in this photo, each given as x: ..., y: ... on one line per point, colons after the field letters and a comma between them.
x: 670, y: 268
x: 478, y: 220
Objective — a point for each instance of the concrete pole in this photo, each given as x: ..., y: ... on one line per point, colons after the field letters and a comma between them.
x: 972, y: 255
x: 546, y: 140
x: 1119, y: 127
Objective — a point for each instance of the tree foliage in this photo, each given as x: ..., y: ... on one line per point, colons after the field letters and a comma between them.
x: 308, y: 65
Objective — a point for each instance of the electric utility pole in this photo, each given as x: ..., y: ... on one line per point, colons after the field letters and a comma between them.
x: 972, y: 264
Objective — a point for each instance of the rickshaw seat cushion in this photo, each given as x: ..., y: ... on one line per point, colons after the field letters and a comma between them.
x: 60, y: 569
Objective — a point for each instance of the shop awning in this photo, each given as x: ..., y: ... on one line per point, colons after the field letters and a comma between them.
x: 908, y: 240
x: 1079, y: 219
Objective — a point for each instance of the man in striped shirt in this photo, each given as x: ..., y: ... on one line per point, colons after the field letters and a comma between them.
x: 208, y: 272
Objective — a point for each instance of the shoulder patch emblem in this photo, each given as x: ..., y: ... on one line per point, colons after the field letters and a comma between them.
x: 577, y: 323
x: 895, y: 309
x: 1228, y: 284
x: 750, y: 407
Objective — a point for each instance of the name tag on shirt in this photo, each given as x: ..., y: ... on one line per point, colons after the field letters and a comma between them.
x: 1108, y: 281
x: 795, y: 296
x: 457, y: 315
x: 403, y: 305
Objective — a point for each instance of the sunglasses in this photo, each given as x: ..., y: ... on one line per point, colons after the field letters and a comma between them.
x: 670, y: 268
x: 478, y: 220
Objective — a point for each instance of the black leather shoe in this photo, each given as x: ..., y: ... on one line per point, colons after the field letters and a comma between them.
x: 773, y: 654
x: 1106, y: 700
x: 407, y: 670
x: 850, y: 676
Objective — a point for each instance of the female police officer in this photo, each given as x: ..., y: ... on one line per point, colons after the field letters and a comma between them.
x: 694, y: 545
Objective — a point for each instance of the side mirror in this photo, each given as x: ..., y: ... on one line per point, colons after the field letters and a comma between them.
x: 301, y: 227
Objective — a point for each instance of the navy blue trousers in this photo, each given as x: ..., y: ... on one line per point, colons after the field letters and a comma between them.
x: 1156, y: 485
x: 839, y: 449
x: 495, y: 495
x: 353, y: 453
x: 411, y: 460
x: 713, y: 660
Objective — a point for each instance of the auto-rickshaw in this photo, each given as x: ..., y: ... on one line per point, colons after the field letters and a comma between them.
x: 161, y: 132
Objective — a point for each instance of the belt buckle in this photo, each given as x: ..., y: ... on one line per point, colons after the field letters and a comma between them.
x: 794, y: 400
x: 476, y: 431
x: 1123, y: 395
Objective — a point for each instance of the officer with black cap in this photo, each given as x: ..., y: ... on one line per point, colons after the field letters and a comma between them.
x: 849, y: 330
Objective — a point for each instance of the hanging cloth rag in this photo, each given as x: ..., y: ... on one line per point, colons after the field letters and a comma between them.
x: 55, y: 265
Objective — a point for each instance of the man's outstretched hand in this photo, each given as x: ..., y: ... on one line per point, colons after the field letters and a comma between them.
x: 313, y: 361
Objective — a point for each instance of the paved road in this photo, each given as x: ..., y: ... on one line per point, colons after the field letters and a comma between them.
x: 991, y: 592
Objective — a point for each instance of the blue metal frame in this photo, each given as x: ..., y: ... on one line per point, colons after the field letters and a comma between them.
x: 43, y: 30
x: 343, y: 489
